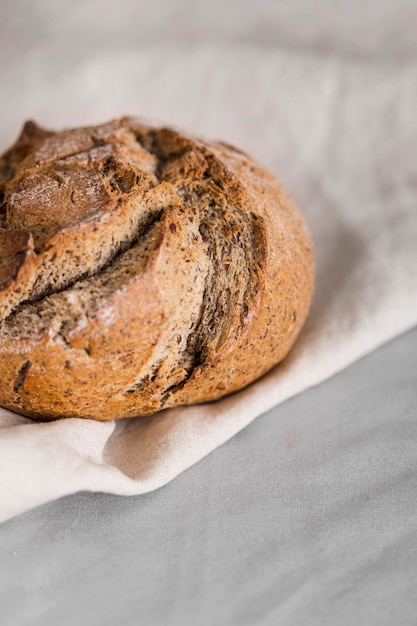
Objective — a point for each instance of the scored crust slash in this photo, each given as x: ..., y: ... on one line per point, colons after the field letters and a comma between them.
x: 142, y: 269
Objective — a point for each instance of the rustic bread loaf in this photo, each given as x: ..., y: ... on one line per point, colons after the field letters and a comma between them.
x: 141, y: 269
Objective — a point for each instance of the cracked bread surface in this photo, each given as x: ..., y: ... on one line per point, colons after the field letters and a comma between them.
x: 142, y: 269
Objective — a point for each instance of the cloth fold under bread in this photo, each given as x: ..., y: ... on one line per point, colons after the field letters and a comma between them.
x: 354, y: 179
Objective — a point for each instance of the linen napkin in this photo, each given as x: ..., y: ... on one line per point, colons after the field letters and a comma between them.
x: 342, y: 136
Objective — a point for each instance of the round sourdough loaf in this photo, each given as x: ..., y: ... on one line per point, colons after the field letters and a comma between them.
x: 141, y: 269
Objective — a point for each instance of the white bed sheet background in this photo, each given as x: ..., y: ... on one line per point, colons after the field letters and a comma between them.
x: 326, y: 100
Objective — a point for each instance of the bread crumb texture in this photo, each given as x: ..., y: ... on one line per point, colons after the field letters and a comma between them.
x: 141, y: 269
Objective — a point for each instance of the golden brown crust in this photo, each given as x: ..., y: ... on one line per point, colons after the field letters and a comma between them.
x: 142, y: 269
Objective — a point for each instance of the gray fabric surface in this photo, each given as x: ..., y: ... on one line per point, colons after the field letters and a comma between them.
x: 308, y: 516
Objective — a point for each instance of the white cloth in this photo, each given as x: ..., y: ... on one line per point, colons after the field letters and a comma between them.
x: 342, y: 137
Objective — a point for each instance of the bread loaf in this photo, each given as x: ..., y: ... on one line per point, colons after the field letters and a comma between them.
x: 141, y: 269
